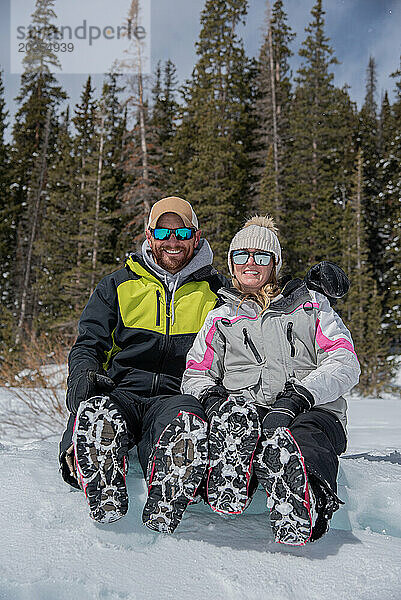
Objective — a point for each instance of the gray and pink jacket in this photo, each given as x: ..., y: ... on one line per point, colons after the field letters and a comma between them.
x: 253, y: 353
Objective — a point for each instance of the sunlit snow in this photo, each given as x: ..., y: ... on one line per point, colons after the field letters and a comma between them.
x: 51, y: 550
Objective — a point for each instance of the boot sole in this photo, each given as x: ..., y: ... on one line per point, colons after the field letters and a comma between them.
x: 233, y: 437
x: 280, y: 468
x: 175, y: 472
x: 100, y: 440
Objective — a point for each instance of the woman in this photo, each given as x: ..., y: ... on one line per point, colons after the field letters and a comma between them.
x: 270, y: 368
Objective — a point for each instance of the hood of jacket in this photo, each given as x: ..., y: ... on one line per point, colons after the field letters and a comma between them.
x: 292, y: 296
x: 203, y: 257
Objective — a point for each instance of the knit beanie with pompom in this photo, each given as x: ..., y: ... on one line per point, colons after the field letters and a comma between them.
x: 259, y: 233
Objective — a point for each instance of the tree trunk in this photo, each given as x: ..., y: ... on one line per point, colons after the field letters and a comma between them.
x: 358, y: 208
x: 274, y: 115
x: 97, y: 206
x: 144, y: 147
x: 35, y: 221
x: 80, y: 227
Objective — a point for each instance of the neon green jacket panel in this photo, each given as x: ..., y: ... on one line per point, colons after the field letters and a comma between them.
x: 127, y: 326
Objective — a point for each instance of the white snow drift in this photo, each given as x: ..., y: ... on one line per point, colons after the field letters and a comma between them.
x: 51, y: 550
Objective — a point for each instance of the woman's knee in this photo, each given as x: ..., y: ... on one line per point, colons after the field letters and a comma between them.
x: 321, y: 420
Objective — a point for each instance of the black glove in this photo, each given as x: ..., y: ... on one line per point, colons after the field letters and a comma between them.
x: 85, y: 385
x: 289, y: 403
x: 328, y: 279
x: 212, y: 399
x: 326, y: 503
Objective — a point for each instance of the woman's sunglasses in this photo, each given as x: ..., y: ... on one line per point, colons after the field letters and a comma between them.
x: 241, y: 257
x: 181, y: 233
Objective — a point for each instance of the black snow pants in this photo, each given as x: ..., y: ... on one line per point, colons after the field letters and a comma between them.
x: 321, y: 439
x: 146, y: 418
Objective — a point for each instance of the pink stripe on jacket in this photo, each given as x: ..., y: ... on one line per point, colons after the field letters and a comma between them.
x: 329, y: 345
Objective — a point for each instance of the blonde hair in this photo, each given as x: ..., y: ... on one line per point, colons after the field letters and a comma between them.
x: 265, y: 295
x: 271, y: 288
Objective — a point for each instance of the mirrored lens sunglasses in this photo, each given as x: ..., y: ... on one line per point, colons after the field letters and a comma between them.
x: 181, y: 233
x: 241, y: 257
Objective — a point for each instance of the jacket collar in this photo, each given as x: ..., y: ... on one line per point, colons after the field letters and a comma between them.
x: 202, y: 257
x: 136, y: 264
x: 294, y: 294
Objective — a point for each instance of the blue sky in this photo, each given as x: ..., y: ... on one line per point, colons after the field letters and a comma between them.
x: 357, y: 29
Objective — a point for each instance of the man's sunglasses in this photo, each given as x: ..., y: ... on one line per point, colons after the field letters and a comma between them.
x: 241, y: 257
x: 181, y: 233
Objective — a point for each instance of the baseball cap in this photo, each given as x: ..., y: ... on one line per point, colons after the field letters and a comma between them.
x: 173, y: 204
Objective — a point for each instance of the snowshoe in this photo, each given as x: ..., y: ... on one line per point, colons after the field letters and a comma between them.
x: 175, y: 471
x: 280, y: 469
x: 100, y: 442
x: 234, y: 434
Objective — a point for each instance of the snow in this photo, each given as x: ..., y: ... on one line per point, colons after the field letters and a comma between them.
x: 52, y: 550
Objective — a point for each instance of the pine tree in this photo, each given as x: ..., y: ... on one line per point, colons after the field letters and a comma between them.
x: 386, y: 124
x: 141, y: 168
x: 273, y: 98
x: 93, y: 189
x: 369, y: 140
x: 58, y: 242
x: 362, y: 307
x: 317, y: 155
x: 390, y: 195
x: 164, y: 104
x: 7, y: 229
x: 163, y: 124
x: 139, y: 165
x: 6, y: 212
x: 33, y: 260
x: 86, y: 155
x: 378, y: 367
x: 85, y: 183
x: 112, y: 179
x: 34, y: 133
x: 40, y: 57
x: 212, y: 147
x: 268, y: 189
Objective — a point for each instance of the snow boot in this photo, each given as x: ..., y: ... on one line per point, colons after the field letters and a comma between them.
x: 280, y: 469
x: 100, y: 440
x: 234, y: 434
x: 175, y: 471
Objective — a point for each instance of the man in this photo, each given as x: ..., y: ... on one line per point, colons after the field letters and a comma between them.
x: 125, y: 372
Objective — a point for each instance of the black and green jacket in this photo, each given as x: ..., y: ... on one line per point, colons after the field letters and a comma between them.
x: 127, y: 329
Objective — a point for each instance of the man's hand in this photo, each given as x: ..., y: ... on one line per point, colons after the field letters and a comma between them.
x: 289, y: 403
x: 328, y: 279
x: 212, y: 399
x: 87, y: 384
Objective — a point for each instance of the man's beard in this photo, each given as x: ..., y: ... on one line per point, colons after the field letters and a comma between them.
x: 171, y: 262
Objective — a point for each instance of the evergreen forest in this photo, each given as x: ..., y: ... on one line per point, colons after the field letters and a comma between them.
x: 240, y: 136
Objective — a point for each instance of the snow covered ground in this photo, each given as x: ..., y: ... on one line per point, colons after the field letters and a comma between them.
x: 51, y: 550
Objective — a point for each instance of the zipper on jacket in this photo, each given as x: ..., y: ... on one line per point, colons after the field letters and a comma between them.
x: 249, y: 342
x: 165, y: 346
x: 290, y: 337
x: 158, y: 303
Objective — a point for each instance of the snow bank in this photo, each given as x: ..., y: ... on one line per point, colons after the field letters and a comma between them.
x: 52, y: 550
